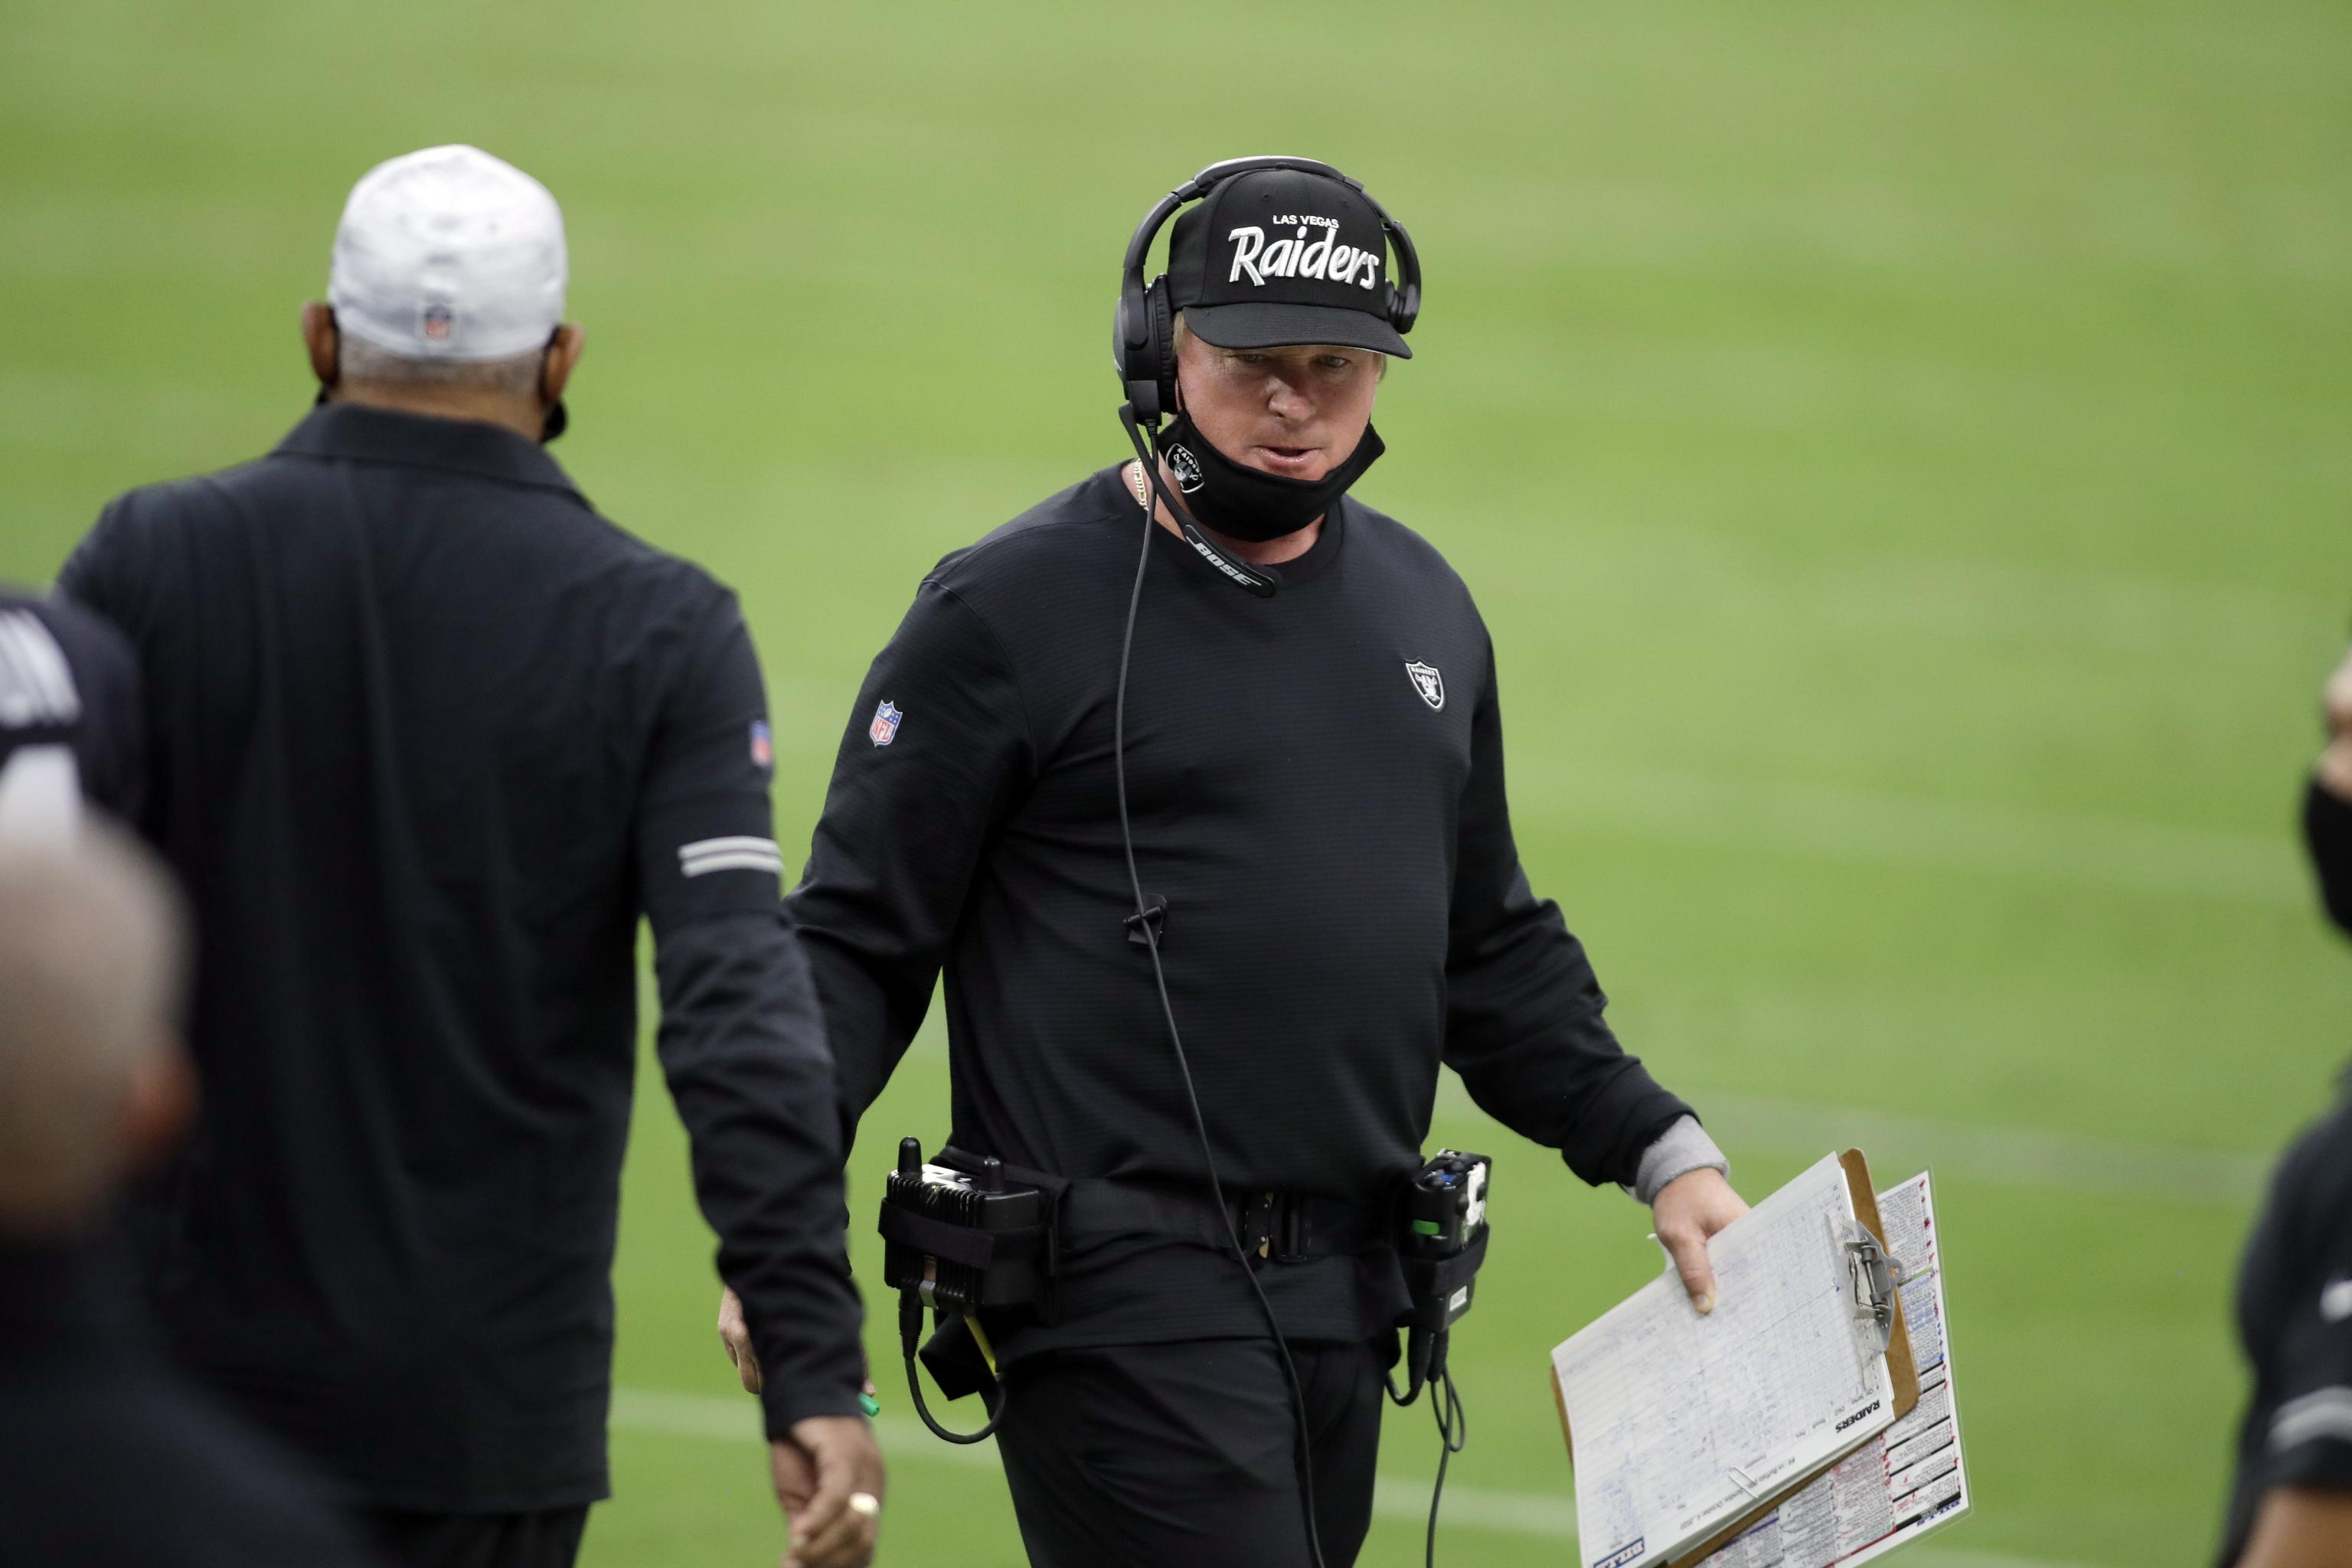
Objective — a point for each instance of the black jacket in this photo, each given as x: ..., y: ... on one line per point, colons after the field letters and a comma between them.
x: 1316, y: 782
x: 108, y: 1456
x: 430, y: 737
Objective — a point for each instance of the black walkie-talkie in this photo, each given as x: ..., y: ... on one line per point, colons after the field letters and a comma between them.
x: 963, y: 1233
x: 1442, y: 1241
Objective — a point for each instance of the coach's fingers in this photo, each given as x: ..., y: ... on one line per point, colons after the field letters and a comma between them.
x: 830, y: 1530
x: 735, y: 1335
x: 847, y: 1542
x: 1687, y: 1210
x: 1687, y: 1248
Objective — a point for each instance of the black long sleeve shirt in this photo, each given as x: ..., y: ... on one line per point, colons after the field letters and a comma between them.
x: 1315, y: 784
x: 428, y: 737
x: 2294, y: 1322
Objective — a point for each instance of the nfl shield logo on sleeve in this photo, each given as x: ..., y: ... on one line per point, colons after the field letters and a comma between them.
x: 885, y: 728
x: 1427, y: 681
x: 764, y: 748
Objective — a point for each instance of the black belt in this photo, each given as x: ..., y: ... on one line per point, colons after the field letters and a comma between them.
x: 1285, y: 1227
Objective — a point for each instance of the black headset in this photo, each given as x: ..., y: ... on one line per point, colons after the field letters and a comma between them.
x: 1143, y: 338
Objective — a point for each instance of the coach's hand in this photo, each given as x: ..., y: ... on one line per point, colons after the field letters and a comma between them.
x: 1686, y: 1211
x: 735, y: 1338
x: 829, y: 1479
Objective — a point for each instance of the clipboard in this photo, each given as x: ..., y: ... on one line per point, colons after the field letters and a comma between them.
x: 1867, y: 1256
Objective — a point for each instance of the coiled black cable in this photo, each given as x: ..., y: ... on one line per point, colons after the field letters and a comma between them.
x: 910, y: 1328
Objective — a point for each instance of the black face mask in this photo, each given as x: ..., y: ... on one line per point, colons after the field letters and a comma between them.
x: 1243, y: 502
x: 2327, y: 833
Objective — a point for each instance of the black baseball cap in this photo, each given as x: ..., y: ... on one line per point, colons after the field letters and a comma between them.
x: 1281, y: 256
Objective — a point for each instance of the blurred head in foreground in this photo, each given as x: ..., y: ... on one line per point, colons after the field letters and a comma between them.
x: 446, y: 295
x: 93, y: 1081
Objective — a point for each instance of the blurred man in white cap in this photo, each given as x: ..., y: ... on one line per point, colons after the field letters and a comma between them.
x: 111, y: 1457
x: 445, y: 297
x: 429, y: 736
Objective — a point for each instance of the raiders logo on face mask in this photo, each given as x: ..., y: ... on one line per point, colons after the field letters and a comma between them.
x: 1186, y: 466
x: 1243, y: 502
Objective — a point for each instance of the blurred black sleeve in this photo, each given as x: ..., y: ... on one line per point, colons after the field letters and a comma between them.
x: 110, y: 742
x: 2309, y: 1371
x: 97, y: 619
x: 904, y: 826
x: 741, y: 1042
x: 1524, y: 1024
x: 94, y: 575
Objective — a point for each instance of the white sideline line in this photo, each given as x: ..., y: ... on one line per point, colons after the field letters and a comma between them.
x: 1872, y: 829
x: 2012, y: 1156
x: 1466, y: 1508
x: 2016, y: 1156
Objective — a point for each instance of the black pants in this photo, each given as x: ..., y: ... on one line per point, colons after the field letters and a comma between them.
x: 549, y: 1539
x: 1161, y: 1456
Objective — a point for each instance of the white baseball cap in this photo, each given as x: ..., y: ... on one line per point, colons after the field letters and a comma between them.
x: 449, y: 254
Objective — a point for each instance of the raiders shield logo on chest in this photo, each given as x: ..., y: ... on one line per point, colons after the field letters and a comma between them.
x: 1427, y: 681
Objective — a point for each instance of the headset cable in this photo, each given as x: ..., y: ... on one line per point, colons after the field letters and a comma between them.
x: 1142, y: 921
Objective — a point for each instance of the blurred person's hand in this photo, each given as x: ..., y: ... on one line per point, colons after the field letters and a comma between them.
x: 829, y: 1479
x: 2301, y: 1527
x: 1686, y: 1211
x: 2335, y: 763
x: 735, y: 1335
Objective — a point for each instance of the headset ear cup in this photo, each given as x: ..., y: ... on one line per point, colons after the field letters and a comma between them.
x: 1144, y: 366
x: 1163, y: 346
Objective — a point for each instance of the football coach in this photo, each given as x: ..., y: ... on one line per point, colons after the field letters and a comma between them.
x: 1269, y: 757
x: 428, y: 736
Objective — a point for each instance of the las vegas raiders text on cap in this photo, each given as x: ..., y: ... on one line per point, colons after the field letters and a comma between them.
x: 1283, y: 257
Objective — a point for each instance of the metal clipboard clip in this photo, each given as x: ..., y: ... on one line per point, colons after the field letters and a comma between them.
x: 1873, y: 1276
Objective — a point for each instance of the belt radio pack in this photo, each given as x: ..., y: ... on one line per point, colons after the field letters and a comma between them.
x: 1441, y: 1243
x: 966, y: 1233
x: 963, y: 1233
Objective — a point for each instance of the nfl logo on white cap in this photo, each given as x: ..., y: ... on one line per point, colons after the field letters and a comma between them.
x: 449, y: 254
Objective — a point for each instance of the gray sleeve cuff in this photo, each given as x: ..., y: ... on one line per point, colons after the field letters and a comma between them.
x: 1681, y: 1149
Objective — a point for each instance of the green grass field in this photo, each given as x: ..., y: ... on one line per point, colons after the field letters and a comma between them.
x: 1901, y: 451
